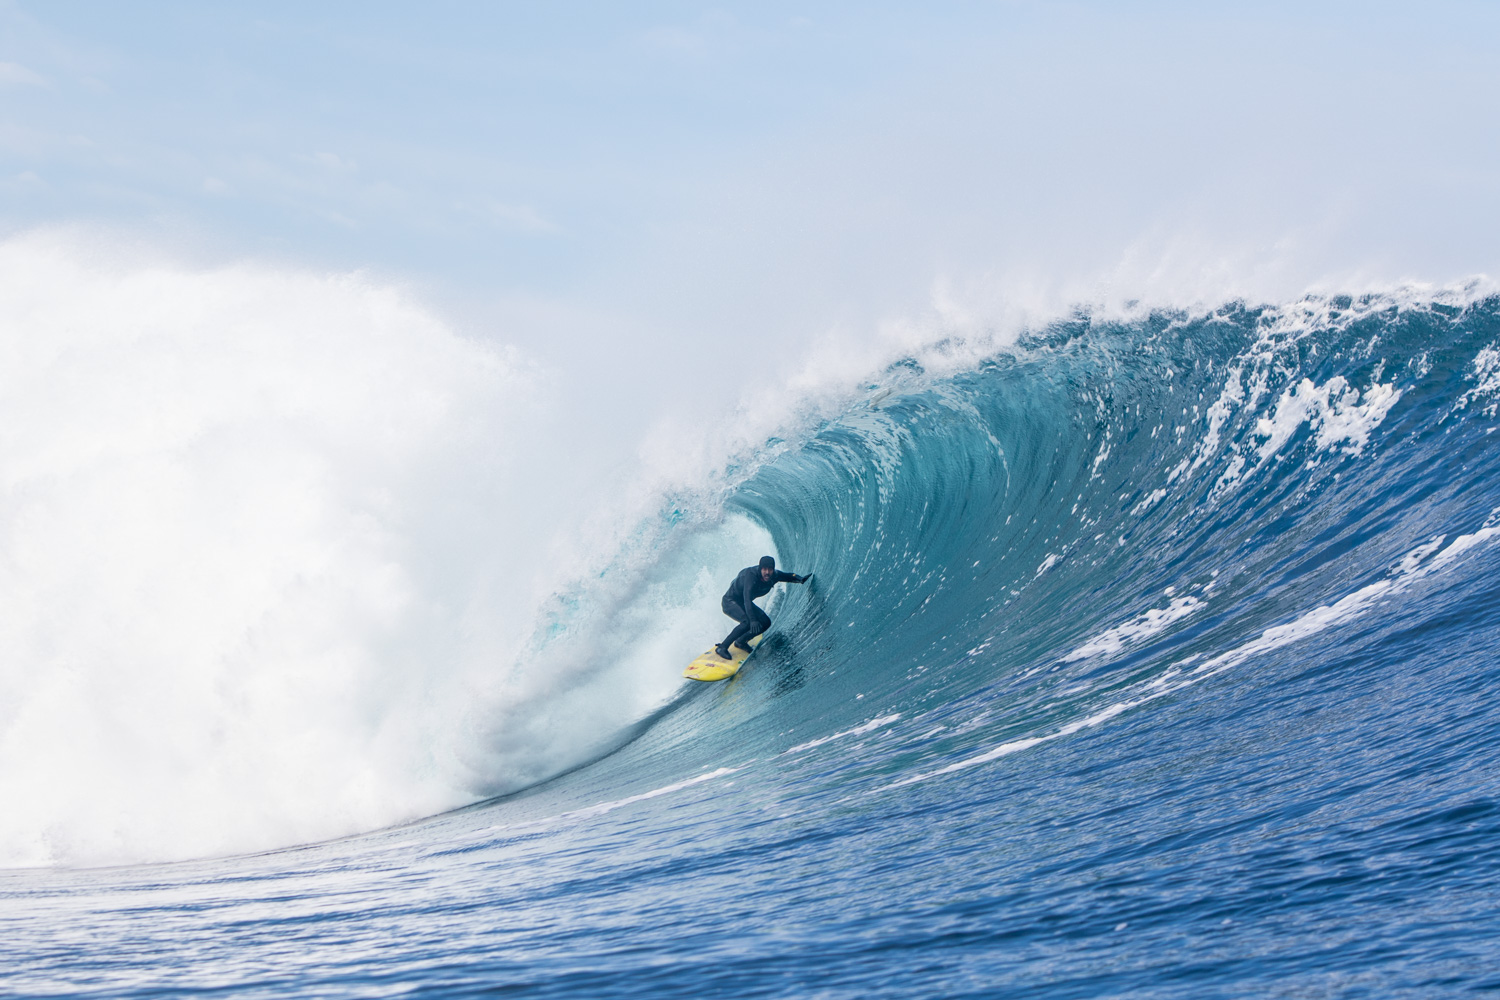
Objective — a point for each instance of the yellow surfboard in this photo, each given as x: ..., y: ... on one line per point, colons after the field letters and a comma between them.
x: 711, y: 667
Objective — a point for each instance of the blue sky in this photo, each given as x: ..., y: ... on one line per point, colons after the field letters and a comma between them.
x: 543, y: 143
x: 708, y: 177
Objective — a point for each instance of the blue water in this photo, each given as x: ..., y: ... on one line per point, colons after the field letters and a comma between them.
x: 1145, y: 658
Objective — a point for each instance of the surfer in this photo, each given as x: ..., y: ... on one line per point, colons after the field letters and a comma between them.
x: 739, y: 602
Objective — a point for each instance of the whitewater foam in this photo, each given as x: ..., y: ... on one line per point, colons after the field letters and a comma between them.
x: 1333, y: 410
x: 1485, y: 372
x: 242, y: 545
x: 1150, y: 623
x: 860, y: 730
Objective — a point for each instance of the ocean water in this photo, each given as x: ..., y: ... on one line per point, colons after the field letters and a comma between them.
x: 1146, y: 657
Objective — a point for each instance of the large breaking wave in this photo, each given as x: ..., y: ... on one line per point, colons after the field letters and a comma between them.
x: 292, y: 623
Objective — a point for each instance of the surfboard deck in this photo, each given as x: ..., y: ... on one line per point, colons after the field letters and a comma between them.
x: 709, y: 667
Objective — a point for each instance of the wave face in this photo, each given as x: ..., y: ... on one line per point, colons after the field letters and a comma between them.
x: 1145, y: 658
x: 1113, y: 510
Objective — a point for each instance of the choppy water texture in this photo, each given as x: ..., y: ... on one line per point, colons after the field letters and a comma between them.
x: 1148, y: 659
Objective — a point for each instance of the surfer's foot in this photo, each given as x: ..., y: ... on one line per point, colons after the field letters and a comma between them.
x: 742, y: 645
x: 723, y: 651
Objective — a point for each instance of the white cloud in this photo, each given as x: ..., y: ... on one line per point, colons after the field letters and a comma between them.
x: 523, y: 218
x: 681, y: 41
x: 16, y: 75
x: 331, y: 162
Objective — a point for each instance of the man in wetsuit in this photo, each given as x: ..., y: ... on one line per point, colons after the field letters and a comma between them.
x: 739, y: 602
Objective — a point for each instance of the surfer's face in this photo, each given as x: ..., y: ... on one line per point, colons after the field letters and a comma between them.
x: 765, y: 574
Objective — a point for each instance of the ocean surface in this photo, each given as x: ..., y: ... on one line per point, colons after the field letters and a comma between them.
x: 1145, y: 657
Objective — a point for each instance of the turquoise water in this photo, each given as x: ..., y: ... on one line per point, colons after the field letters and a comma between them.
x: 1144, y: 659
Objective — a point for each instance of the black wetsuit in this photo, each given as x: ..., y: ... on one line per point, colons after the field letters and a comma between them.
x: 739, y: 603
